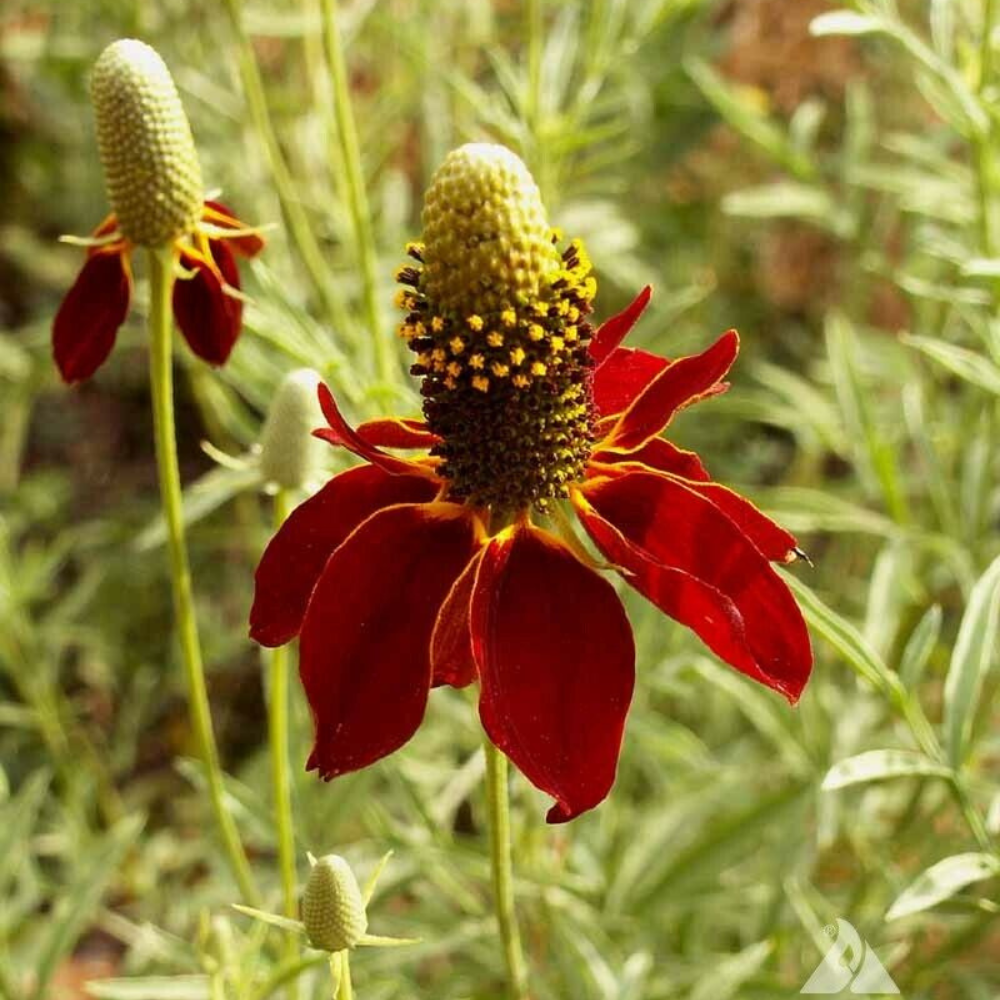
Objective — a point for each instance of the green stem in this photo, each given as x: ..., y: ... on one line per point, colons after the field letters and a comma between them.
x: 277, y: 717
x: 498, y: 811
x: 295, y: 216
x: 345, y: 991
x: 161, y: 277
x: 347, y: 135
x: 535, y: 30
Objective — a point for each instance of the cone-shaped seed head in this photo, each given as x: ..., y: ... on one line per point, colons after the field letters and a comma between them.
x: 289, y: 454
x: 333, y: 911
x: 150, y: 163
x: 487, y: 242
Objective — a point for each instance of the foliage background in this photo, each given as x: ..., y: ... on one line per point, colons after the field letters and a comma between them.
x: 833, y: 197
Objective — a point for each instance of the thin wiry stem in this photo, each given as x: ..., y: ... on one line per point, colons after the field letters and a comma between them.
x: 498, y: 811
x: 347, y: 134
x: 295, y: 216
x: 277, y: 718
x: 161, y: 280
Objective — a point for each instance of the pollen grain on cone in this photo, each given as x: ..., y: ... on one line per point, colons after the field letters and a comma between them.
x: 150, y: 163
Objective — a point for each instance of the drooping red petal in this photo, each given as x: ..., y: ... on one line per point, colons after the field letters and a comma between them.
x: 556, y: 666
x: 246, y: 245
x: 682, y: 552
x: 87, y: 322
x: 365, y: 643
x: 295, y: 557
x: 681, y: 383
x: 343, y: 435
x: 625, y: 373
x: 207, y: 316
x: 660, y: 455
x: 397, y: 432
x: 452, y: 659
x: 613, y: 331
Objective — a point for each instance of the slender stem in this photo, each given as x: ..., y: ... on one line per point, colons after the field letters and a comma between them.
x: 277, y: 718
x: 295, y: 215
x: 986, y: 43
x: 347, y: 134
x: 345, y: 991
x: 534, y: 26
x: 498, y: 810
x: 161, y: 381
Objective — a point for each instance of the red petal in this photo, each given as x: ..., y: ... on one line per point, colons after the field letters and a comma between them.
x: 397, y: 432
x: 624, y: 375
x: 248, y: 245
x: 342, y: 434
x: 208, y: 317
x: 87, y: 322
x: 295, y: 557
x: 452, y: 659
x: 680, y: 384
x: 556, y: 665
x: 679, y: 550
x: 659, y: 455
x: 365, y: 645
x: 613, y: 331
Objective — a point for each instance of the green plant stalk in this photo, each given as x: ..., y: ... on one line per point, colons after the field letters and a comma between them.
x: 498, y: 813
x: 345, y: 990
x: 347, y: 134
x: 161, y: 278
x: 277, y: 721
x: 295, y: 216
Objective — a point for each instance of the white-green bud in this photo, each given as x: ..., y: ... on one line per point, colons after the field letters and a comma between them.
x: 289, y: 454
x: 333, y: 910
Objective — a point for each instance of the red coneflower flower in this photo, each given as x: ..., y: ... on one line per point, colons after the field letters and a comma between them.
x: 154, y: 183
x: 403, y: 574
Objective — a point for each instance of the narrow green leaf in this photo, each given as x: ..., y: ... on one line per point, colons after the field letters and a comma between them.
x: 274, y: 919
x: 877, y: 765
x: 919, y: 648
x: 844, y: 22
x: 970, y: 660
x: 942, y: 881
x: 726, y: 978
x: 151, y: 988
x: 969, y: 365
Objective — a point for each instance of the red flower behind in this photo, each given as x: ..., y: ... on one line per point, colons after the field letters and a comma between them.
x: 206, y: 299
x: 395, y: 587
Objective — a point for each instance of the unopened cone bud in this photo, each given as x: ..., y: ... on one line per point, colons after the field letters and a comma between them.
x: 150, y: 163
x: 333, y: 911
x: 486, y: 236
x: 289, y: 453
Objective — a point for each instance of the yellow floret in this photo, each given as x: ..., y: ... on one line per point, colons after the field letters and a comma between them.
x: 454, y: 369
x: 494, y: 339
x: 457, y: 345
x: 437, y: 324
x: 571, y: 334
x: 439, y: 354
x: 517, y: 355
x: 475, y: 322
x: 500, y: 370
x: 477, y: 361
x: 508, y: 317
x: 558, y: 344
x: 480, y: 382
x: 538, y: 368
x: 536, y: 332
x: 521, y: 381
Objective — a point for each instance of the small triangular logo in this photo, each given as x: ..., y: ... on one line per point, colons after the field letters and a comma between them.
x: 850, y: 962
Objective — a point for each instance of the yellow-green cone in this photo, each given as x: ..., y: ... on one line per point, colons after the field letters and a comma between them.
x: 487, y: 242
x: 333, y: 911
x: 289, y: 454
x: 150, y: 163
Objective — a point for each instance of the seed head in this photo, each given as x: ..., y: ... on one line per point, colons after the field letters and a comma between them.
x: 333, y: 911
x: 487, y: 242
x: 150, y: 163
x: 289, y: 453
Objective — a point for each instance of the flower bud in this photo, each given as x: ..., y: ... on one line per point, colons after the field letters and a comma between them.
x: 487, y: 242
x: 333, y: 911
x: 150, y: 163
x: 289, y: 453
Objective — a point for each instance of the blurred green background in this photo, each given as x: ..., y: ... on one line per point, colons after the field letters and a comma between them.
x: 832, y: 195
